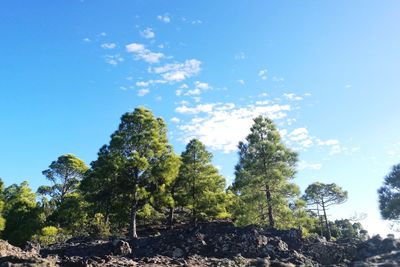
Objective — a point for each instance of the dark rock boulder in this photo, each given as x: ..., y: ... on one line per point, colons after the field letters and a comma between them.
x: 14, y: 256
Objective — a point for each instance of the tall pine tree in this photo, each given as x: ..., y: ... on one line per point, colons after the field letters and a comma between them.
x: 199, y: 187
x: 262, y: 175
x: 144, y: 160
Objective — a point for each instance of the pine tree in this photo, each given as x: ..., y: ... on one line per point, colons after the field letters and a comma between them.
x: 142, y: 150
x: 323, y: 196
x: 99, y: 186
x: 23, y: 217
x: 65, y: 174
x: 262, y: 175
x: 199, y: 187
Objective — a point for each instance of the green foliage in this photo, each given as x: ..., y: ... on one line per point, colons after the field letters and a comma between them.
x: 199, y: 187
x: 71, y: 215
x: 323, y: 196
x: 23, y: 217
x: 100, y: 187
x: 48, y: 235
x: 389, y: 195
x: 262, y: 176
x: 142, y: 151
x: 344, y: 228
x: 98, y: 226
x: 65, y: 174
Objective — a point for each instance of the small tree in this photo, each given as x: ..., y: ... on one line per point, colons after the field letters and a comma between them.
x: 389, y: 195
x: 323, y: 196
x: 23, y: 217
x: 65, y: 173
x: 199, y: 187
x: 100, y: 185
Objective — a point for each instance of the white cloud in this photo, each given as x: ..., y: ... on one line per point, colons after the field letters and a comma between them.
x: 193, y: 92
x: 87, y: 40
x: 114, y: 59
x: 197, y: 21
x: 300, y: 139
x: 292, y: 96
x: 142, y: 84
x: 202, y: 108
x: 175, y: 120
x: 135, y: 48
x: 164, y: 18
x: 108, y: 45
x: 303, y: 165
x: 213, y: 121
x: 151, y: 57
x: 103, y: 34
x: 148, y: 33
x: 143, y: 92
x: 263, y: 74
x: 177, y: 72
x: 196, y: 99
x: 201, y: 85
x: 178, y: 92
x: 329, y: 142
x: 241, y: 82
x: 143, y: 53
x: 148, y: 83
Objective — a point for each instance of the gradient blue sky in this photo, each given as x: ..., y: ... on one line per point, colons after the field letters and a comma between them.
x: 327, y: 72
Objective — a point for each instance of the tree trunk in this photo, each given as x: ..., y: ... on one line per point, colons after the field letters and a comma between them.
x: 171, y: 217
x: 328, y: 229
x: 320, y: 222
x: 194, y: 211
x: 132, y: 224
x: 269, y: 203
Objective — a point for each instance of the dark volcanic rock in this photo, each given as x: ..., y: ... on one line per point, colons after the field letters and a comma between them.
x: 209, y: 244
x: 14, y: 256
x: 224, y: 240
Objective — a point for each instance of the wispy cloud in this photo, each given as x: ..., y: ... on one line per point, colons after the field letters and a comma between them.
x: 108, y: 45
x: 292, y: 96
x: 141, y: 52
x: 175, y: 120
x: 242, y: 82
x: 303, y: 165
x: 263, y: 74
x: 148, y: 33
x: 164, y: 18
x: 177, y: 72
x: 114, y: 59
x: 143, y: 92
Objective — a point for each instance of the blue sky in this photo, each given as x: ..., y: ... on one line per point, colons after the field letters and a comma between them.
x: 327, y: 72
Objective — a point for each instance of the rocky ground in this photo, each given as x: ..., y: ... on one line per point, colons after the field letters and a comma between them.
x: 209, y: 244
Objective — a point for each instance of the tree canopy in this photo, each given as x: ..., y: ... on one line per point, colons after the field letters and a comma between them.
x: 389, y: 195
x: 323, y: 196
x: 262, y: 175
x: 199, y: 186
x: 65, y: 174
